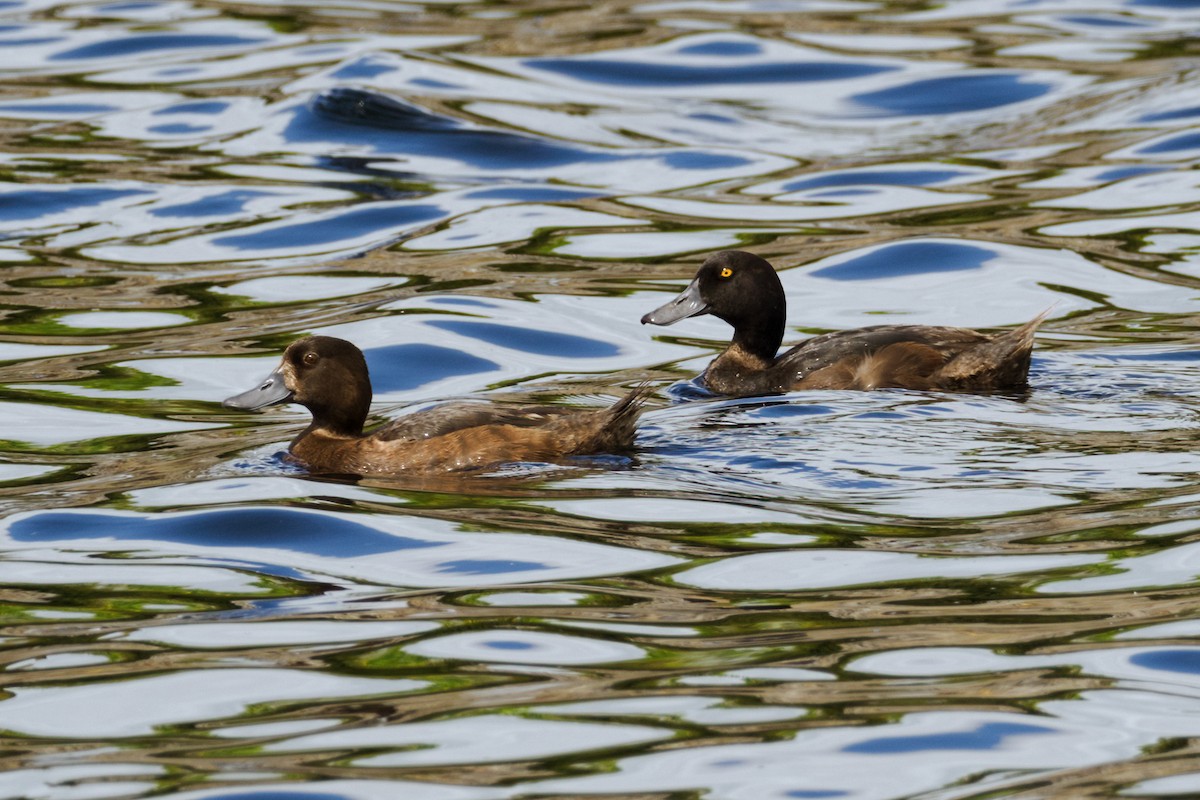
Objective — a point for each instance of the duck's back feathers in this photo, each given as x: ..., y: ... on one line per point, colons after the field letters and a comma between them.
x: 908, y: 364
x: 913, y: 357
x: 476, y: 436
x: 829, y: 349
x: 883, y: 357
x: 447, y: 418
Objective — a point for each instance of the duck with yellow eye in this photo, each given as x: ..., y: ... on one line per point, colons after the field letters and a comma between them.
x: 744, y: 290
x: 329, y: 377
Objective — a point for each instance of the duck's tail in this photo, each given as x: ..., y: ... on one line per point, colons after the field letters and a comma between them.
x: 608, y: 430
x: 1001, y: 362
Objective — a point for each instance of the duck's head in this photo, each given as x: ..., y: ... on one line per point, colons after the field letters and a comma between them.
x: 738, y: 287
x: 327, y: 376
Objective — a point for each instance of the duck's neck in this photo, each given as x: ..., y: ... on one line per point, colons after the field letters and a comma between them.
x: 340, y: 428
x: 345, y: 420
x: 326, y: 441
x: 760, y: 336
x: 324, y: 450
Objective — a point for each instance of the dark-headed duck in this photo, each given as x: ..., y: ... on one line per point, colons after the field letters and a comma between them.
x: 329, y: 377
x: 744, y: 290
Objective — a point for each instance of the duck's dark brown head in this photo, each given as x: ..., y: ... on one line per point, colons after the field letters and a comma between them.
x: 740, y: 288
x: 327, y: 376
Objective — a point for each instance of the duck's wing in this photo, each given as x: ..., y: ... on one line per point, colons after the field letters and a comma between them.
x: 913, y: 357
x: 846, y: 347
x: 474, y: 436
x: 450, y: 417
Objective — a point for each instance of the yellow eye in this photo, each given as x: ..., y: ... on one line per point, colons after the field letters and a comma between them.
x: 726, y: 272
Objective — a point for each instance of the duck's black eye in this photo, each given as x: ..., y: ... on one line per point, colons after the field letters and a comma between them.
x: 726, y: 272
x: 311, y: 358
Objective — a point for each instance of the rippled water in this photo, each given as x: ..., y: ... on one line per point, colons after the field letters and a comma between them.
x: 825, y: 594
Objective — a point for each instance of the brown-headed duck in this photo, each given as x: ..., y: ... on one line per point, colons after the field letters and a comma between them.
x: 329, y: 377
x: 743, y: 290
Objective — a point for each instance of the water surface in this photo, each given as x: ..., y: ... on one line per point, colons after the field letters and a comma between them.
x: 814, y: 595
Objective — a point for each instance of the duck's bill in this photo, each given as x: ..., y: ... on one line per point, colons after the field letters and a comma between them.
x: 687, y: 304
x: 269, y: 392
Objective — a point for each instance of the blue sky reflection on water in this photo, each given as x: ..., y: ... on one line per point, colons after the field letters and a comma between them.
x: 825, y: 594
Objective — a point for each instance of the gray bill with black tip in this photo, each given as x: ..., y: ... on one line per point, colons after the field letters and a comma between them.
x: 687, y: 304
x: 269, y: 392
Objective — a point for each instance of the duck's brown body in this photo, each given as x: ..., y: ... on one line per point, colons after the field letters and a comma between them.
x: 883, y: 357
x: 454, y: 438
x: 744, y: 290
x: 329, y: 377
